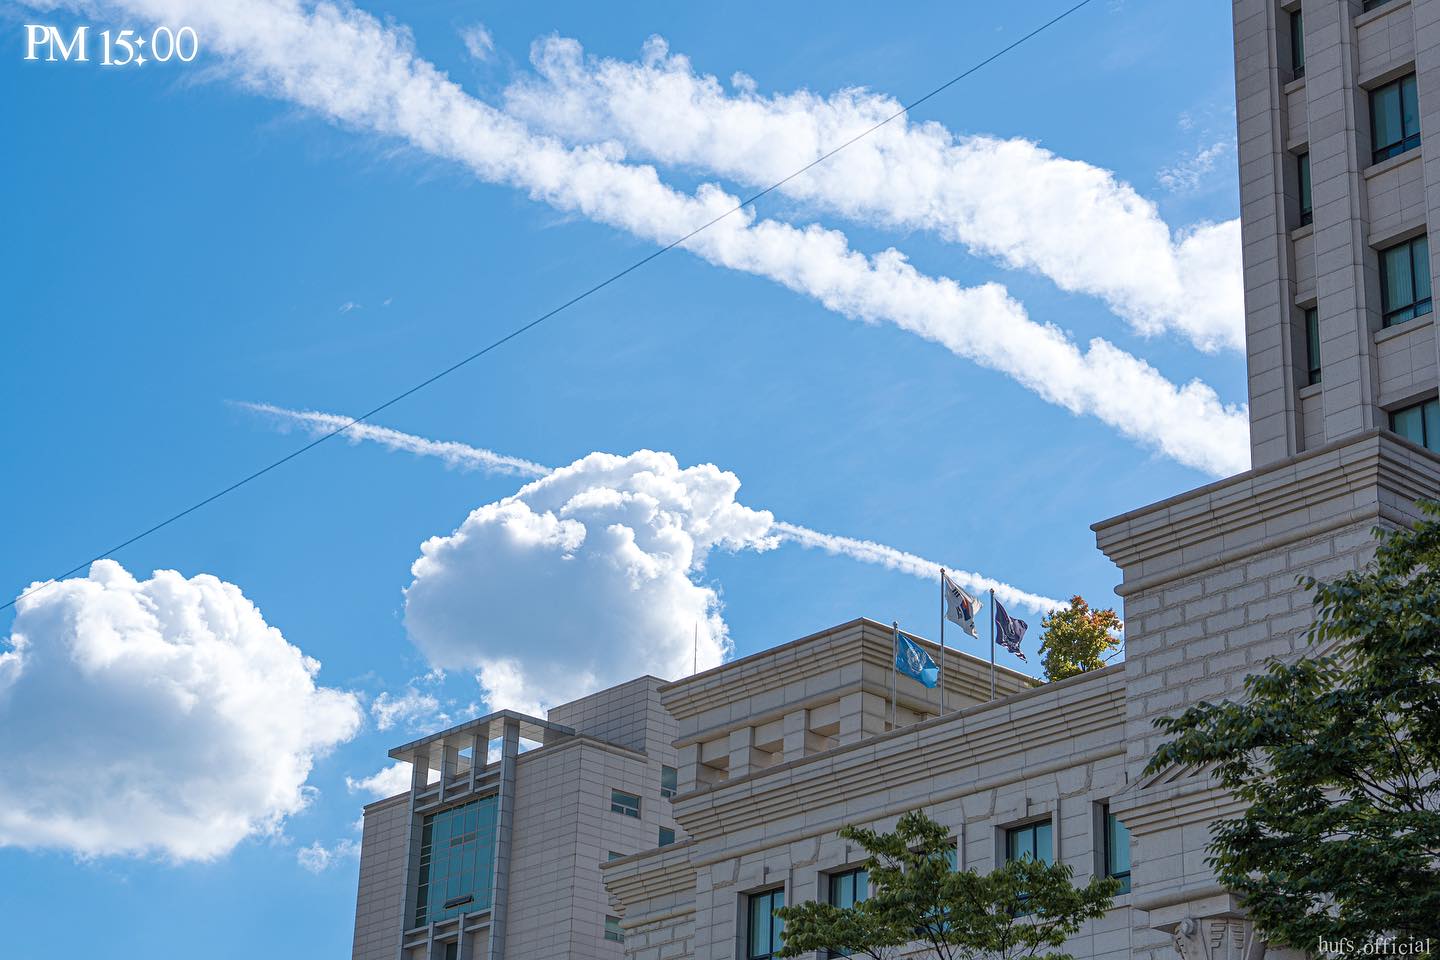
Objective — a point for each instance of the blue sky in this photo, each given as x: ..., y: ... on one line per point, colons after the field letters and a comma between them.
x: 181, y: 238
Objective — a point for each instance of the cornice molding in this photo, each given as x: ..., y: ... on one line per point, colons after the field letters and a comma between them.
x: 1375, y: 476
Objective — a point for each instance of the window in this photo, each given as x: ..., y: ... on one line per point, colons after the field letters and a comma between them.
x: 1117, y: 850
x: 669, y: 779
x: 1032, y: 840
x: 1307, y: 206
x: 1372, y: 4
x: 452, y: 950
x: 1297, y: 44
x: 626, y: 803
x: 613, y: 855
x: 457, y: 861
x: 764, y: 930
x: 1394, y: 118
x: 1312, y: 345
x: 1420, y: 424
x: 667, y: 836
x: 613, y: 931
x: 1405, y: 281
x: 849, y: 888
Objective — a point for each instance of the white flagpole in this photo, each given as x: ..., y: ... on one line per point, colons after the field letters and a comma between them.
x: 894, y: 657
x: 992, y: 644
x: 697, y: 647
x: 942, y: 640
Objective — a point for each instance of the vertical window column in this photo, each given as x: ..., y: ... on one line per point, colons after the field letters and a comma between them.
x: 763, y: 929
x: 1302, y: 181
x: 1419, y: 424
x: 1394, y: 118
x: 1297, y: 44
x: 1312, y: 346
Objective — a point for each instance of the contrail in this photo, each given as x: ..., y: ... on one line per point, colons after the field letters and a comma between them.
x: 465, y: 457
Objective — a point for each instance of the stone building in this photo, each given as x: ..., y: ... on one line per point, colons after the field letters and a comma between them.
x: 772, y: 754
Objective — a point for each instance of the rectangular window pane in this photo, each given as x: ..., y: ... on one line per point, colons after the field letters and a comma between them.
x: 1397, y: 287
x: 1386, y: 124
x: 1044, y: 850
x: 1117, y: 850
x: 1430, y: 414
x: 1409, y: 423
x: 1297, y: 44
x: 762, y: 936
x: 1312, y: 345
x: 1420, y: 270
x: 1409, y: 106
x: 624, y: 803
x: 849, y: 888
x: 613, y: 931
x: 1302, y: 164
x: 669, y: 780
x: 667, y: 836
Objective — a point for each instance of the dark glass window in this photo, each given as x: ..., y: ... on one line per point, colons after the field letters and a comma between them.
x: 1394, y: 118
x: 1297, y: 44
x: 667, y: 836
x: 1032, y: 840
x: 626, y: 803
x: 1419, y: 424
x: 1117, y: 851
x: 1307, y: 205
x: 1312, y: 345
x: 669, y: 779
x: 764, y: 930
x: 457, y: 861
x: 1405, y: 281
x: 452, y: 950
x: 613, y: 931
x: 614, y: 855
x: 1372, y: 4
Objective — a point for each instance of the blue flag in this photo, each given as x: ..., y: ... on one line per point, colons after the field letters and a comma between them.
x: 913, y: 661
x: 1009, y: 631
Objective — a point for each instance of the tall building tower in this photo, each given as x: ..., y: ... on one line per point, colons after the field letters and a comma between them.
x: 1338, y: 111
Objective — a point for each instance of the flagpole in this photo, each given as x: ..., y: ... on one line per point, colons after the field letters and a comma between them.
x: 894, y: 659
x: 697, y: 647
x: 942, y: 640
x: 992, y: 644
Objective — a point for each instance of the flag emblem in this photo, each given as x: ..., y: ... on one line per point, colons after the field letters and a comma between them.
x: 912, y: 660
x: 960, y: 607
x: 1009, y: 631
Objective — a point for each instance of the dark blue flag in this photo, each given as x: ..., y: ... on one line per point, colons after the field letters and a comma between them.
x: 1009, y: 631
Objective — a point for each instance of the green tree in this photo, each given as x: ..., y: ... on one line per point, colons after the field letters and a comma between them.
x: 1023, y: 909
x: 1338, y: 757
x: 1077, y: 639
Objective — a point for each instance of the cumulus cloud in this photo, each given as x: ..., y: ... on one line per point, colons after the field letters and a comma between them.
x: 1009, y: 199
x: 582, y: 579
x: 347, y: 65
x: 413, y: 709
x: 160, y: 716
x: 317, y: 858
x: 385, y: 782
x: 865, y: 551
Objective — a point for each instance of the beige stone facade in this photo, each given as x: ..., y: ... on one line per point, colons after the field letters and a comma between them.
x: 775, y: 752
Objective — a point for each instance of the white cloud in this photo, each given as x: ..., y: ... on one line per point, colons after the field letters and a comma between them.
x: 865, y: 551
x: 478, y: 42
x: 345, y: 64
x: 1009, y: 199
x: 583, y: 579
x: 1186, y: 174
x: 162, y: 716
x: 349, y: 305
x: 412, y: 709
x: 457, y: 455
x: 317, y: 858
x: 383, y: 783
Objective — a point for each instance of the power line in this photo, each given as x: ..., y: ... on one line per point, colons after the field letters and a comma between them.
x: 562, y: 307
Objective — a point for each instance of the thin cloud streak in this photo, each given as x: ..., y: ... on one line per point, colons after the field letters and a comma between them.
x: 466, y: 457
x: 348, y: 66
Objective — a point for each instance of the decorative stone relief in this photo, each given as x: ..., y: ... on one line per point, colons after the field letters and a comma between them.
x: 1217, y: 938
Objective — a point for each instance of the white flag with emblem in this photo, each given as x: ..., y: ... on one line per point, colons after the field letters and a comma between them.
x: 960, y: 607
